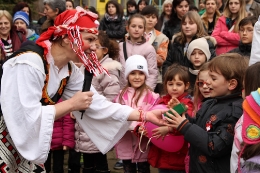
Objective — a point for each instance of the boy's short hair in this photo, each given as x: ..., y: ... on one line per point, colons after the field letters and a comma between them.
x: 248, y: 20
x: 150, y: 10
x: 231, y: 66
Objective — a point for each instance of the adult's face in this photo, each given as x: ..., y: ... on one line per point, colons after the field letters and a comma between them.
x: 50, y: 13
x: 168, y: 9
x: 211, y: 6
x: 5, y: 26
x: 26, y: 10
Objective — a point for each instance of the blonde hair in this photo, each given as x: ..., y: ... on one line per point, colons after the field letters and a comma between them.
x: 195, y: 17
x: 241, y: 13
x: 4, y: 13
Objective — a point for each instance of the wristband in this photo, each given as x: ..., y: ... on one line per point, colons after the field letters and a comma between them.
x: 183, y: 123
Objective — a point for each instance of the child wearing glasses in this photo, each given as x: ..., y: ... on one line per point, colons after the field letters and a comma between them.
x: 198, y: 53
x: 246, y: 28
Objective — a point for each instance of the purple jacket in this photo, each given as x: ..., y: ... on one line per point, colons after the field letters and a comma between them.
x: 251, y: 165
x: 63, y: 133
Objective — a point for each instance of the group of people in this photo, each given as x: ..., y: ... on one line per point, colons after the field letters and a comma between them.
x: 144, y: 64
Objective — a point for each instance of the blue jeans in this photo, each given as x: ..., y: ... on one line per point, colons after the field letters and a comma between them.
x: 169, y: 171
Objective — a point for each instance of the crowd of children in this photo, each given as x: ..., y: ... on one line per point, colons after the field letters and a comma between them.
x: 165, y: 61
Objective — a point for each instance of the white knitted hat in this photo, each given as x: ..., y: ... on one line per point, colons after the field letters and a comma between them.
x: 136, y: 62
x: 201, y: 44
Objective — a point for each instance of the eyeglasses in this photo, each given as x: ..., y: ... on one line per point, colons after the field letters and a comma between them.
x: 99, y: 47
x: 245, y: 30
x: 201, y: 83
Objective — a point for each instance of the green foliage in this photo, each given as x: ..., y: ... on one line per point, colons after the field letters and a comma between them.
x: 9, y: 5
x: 15, y: 1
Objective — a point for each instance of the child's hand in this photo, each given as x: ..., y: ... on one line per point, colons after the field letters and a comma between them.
x: 72, y: 116
x: 173, y: 102
x: 174, y: 119
x: 65, y: 147
x: 161, y: 131
x: 142, y: 129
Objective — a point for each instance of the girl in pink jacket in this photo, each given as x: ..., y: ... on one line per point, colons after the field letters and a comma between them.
x: 226, y: 29
x: 139, y: 96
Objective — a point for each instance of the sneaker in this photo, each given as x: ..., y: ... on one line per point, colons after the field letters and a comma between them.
x: 118, y: 165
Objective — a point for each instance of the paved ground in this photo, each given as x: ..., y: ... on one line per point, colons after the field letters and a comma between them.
x: 111, y: 162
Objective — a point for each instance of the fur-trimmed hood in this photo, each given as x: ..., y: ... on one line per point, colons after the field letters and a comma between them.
x: 105, y: 85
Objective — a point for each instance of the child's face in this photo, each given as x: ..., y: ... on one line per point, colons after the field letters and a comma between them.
x: 197, y: 58
x: 189, y: 28
x: 20, y: 24
x: 130, y: 8
x: 201, y: 5
x: 136, y: 79
x: 211, y: 6
x: 69, y: 5
x: 182, y: 9
x: 203, y: 83
x: 246, y: 33
x: 151, y: 21
x: 100, y: 50
x: 141, y: 5
x: 136, y: 29
x: 218, y: 85
x: 234, y: 6
x: 168, y: 9
x: 176, y: 87
x: 111, y: 8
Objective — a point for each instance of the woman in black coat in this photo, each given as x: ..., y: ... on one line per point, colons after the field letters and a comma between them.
x: 113, y: 23
x: 173, y: 25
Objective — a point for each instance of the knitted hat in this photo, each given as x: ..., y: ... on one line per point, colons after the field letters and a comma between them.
x: 201, y: 44
x: 166, y: 2
x: 22, y: 16
x: 72, y: 23
x: 251, y: 118
x: 136, y: 62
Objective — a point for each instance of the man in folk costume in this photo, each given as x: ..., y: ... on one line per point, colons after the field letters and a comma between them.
x: 39, y: 76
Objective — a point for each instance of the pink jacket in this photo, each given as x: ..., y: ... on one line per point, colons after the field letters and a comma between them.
x: 127, y: 148
x: 63, y: 133
x: 145, y: 49
x: 226, y: 40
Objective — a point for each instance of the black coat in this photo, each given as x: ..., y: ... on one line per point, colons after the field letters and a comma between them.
x: 242, y: 49
x: 176, y: 54
x: 172, y: 28
x: 114, y: 29
x: 210, y: 151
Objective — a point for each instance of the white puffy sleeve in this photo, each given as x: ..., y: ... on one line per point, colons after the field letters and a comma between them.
x: 29, y: 123
x: 104, y: 122
x: 255, y: 51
